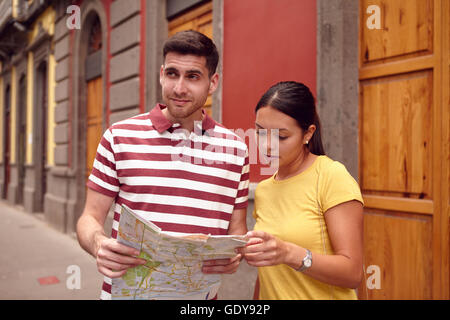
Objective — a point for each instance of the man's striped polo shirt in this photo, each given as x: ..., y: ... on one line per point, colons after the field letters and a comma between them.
x: 184, y: 182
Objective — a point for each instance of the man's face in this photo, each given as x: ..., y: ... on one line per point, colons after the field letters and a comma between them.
x: 185, y: 84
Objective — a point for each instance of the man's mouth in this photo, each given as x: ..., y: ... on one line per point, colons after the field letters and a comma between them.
x: 179, y: 101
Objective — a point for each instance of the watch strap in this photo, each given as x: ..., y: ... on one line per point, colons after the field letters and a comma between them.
x: 304, y: 265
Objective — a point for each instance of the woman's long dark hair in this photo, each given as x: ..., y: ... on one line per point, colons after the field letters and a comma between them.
x: 296, y: 100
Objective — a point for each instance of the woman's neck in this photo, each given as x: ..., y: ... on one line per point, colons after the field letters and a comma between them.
x: 300, y: 164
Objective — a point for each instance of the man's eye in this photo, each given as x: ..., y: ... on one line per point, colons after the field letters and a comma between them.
x: 193, y: 77
x: 170, y: 74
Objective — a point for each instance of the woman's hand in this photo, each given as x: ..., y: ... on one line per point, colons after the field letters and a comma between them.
x: 264, y: 249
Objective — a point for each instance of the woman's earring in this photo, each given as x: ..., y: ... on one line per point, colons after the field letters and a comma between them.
x: 306, y: 142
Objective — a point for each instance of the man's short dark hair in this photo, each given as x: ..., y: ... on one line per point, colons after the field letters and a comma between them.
x: 195, y: 43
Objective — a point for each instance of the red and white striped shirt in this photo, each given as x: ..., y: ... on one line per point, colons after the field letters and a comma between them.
x: 184, y: 182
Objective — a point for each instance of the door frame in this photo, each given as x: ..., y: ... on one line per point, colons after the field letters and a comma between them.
x: 77, y: 113
x: 40, y: 134
x: 21, y: 146
x: 6, y: 140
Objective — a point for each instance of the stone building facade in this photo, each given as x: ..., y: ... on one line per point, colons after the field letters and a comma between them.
x: 71, y: 68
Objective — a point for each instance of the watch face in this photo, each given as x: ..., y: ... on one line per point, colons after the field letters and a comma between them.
x: 308, y: 263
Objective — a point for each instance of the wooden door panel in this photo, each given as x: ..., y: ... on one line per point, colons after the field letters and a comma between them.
x: 396, y: 122
x: 406, y: 28
x: 94, y: 128
x: 404, y: 147
x: 402, y: 252
x: 199, y: 19
x: 204, y: 24
x: 94, y: 90
x: 7, y: 154
x: 201, y: 24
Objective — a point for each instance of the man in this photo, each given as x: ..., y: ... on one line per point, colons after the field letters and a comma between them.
x: 170, y: 165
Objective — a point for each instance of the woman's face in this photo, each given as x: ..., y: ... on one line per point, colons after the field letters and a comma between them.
x: 272, y: 125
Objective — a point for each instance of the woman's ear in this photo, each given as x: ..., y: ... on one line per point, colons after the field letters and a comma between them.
x: 309, y: 134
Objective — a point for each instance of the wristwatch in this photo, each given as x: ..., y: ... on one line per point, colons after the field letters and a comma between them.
x: 306, y: 262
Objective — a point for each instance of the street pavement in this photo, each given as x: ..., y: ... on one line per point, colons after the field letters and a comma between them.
x: 39, y: 262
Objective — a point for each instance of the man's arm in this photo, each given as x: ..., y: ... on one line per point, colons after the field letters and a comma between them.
x: 238, y: 222
x: 113, y: 258
x: 90, y: 225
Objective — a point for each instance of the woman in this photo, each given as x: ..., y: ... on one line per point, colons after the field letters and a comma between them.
x: 307, y: 240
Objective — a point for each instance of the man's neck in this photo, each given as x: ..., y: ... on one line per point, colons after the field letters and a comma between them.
x: 185, y: 123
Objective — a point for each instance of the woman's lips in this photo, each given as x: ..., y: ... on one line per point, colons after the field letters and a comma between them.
x: 271, y: 157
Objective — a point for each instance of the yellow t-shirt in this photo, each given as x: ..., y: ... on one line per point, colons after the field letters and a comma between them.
x: 292, y: 210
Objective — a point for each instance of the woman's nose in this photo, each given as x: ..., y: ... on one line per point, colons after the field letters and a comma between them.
x: 267, y: 142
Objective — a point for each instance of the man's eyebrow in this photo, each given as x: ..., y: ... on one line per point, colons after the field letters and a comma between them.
x: 166, y: 69
x: 190, y: 71
x: 194, y: 71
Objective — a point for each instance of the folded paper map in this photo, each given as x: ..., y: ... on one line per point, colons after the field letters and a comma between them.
x: 174, y: 263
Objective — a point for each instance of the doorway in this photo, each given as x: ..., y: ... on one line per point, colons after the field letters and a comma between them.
x: 94, y: 95
x: 22, y: 143
x: 7, y: 144
x: 41, y: 135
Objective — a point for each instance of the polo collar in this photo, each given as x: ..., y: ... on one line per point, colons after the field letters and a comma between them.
x: 161, y: 123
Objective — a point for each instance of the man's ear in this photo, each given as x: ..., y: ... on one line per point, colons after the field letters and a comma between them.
x: 214, y: 83
x: 161, y: 74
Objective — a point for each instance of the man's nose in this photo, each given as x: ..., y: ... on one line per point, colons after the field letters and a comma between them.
x: 180, y: 87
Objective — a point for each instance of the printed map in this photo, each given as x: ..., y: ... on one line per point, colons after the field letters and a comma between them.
x: 173, y: 268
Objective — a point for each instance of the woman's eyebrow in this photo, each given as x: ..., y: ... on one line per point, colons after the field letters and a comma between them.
x: 279, y: 129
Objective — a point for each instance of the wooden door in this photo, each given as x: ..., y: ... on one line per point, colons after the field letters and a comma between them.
x: 94, y: 94
x: 94, y: 121
x: 7, y: 142
x: 404, y: 151
x: 199, y: 19
x: 42, y: 145
x: 22, y: 144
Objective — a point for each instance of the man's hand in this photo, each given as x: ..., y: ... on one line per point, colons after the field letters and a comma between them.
x: 222, y: 265
x: 238, y: 225
x: 114, y: 259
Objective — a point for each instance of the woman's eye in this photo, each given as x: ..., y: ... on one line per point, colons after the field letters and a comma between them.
x: 282, y: 138
x: 261, y: 132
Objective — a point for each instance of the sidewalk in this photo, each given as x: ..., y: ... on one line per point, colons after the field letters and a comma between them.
x: 35, y: 257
